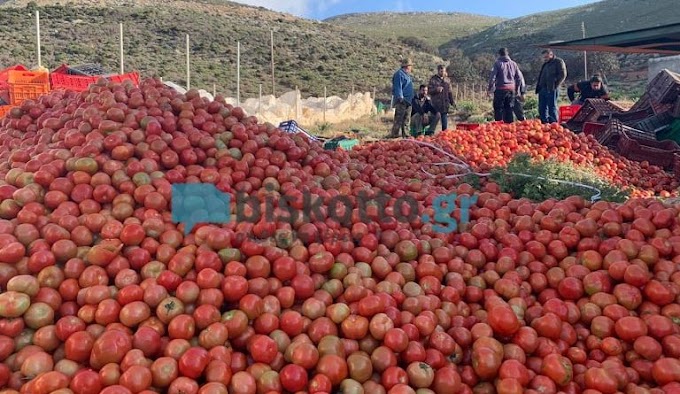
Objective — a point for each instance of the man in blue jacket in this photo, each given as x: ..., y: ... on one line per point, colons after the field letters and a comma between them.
x: 505, y: 80
x: 402, y: 92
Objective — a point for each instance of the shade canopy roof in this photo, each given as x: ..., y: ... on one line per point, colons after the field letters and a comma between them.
x: 661, y: 39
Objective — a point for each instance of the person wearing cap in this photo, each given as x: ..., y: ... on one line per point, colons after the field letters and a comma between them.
x: 504, y: 82
x: 593, y: 89
x: 402, y: 92
x: 442, y: 96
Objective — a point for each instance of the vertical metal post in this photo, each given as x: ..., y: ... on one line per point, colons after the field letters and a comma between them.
x: 325, y: 104
x: 37, y: 33
x: 188, y: 66
x: 214, y: 90
x: 259, y: 105
x: 122, y: 64
x: 238, y: 73
x: 585, y: 53
x: 272, y: 53
x: 297, y: 103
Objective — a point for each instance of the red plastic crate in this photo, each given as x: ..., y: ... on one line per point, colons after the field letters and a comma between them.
x: 467, y: 126
x: 568, y: 111
x: 4, y: 74
x: 120, y: 78
x: 659, y: 153
x: 77, y: 83
x: 592, y: 127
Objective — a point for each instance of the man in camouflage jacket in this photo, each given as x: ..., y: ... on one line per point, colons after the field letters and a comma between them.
x: 440, y: 92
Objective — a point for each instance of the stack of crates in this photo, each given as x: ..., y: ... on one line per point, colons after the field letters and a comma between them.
x: 27, y: 85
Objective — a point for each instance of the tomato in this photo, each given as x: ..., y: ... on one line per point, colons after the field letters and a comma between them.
x: 193, y: 362
x: 557, y: 368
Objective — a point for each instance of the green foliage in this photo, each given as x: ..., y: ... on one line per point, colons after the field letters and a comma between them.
x: 434, y: 28
x: 538, y: 189
x: 531, y: 106
x: 418, y: 44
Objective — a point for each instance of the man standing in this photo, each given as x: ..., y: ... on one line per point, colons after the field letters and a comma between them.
x: 552, y: 75
x: 503, y: 83
x: 442, y: 96
x: 518, y: 108
x: 593, y: 89
x: 424, y: 113
x: 402, y: 91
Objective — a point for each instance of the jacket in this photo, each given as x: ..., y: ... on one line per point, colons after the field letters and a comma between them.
x: 522, y: 88
x: 422, y: 106
x: 402, y: 86
x: 552, y: 75
x: 441, y: 101
x: 505, y: 75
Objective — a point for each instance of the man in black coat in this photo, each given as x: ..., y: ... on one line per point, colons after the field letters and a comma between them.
x: 552, y: 76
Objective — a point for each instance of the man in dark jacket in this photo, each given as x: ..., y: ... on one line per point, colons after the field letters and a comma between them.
x: 593, y: 89
x: 424, y: 113
x: 402, y: 92
x: 503, y: 83
x: 552, y: 75
x: 442, y: 96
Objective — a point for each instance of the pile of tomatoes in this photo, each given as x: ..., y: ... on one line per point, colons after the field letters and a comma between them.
x: 496, y: 144
x: 102, y: 292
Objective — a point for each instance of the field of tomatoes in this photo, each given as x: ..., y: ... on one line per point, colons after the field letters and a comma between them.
x: 495, y: 144
x: 103, y: 293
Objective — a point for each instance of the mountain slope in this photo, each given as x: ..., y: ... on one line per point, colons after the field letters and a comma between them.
x: 434, y: 28
x: 522, y: 35
x: 308, y: 54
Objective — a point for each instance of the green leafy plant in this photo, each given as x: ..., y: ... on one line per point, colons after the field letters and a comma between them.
x: 539, y: 185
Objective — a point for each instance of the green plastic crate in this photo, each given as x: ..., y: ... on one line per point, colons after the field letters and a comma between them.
x: 673, y: 133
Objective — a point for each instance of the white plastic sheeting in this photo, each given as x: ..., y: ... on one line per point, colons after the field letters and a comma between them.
x: 307, y: 111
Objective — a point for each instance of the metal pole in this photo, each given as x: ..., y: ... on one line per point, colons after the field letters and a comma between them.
x: 238, y: 73
x: 188, y: 66
x: 37, y: 32
x: 272, y: 52
x: 297, y: 102
x: 585, y: 53
x: 214, y: 90
x: 259, y: 105
x: 122, y: 64
x: 325, y: 104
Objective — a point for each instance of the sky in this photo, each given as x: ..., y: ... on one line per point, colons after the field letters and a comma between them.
x: 322, y: 9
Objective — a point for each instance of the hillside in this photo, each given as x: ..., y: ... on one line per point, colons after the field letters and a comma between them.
x: 604, y: 17
x: 308, y: 54
x: 435, y: 29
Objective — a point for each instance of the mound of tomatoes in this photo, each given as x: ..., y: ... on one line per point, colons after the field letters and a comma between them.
x: 103, y: 293
x: 496, y: 144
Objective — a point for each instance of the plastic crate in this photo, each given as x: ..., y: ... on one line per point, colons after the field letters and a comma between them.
x: 633, y: 117
x: 592, y: 127
x: 642, y: 104
x: 656, y: 123
x: 77, y: 83
x: 568, y: 111
x: 467, y: 126
x: 672, y: 133
x: 120, y: 78
x: 676, y: 166
x: 17, y: 77
x: 20, y: 93
x: 291, y: 126
x: 639, y: 135
x: 664, y: 88
x: 676, y: 109
x: 659, y: 153
x: 4, y: 75
x: 90, y: 70
x: 344, y: 143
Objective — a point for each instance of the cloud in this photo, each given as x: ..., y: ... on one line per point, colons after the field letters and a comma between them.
x: 306, y: 8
